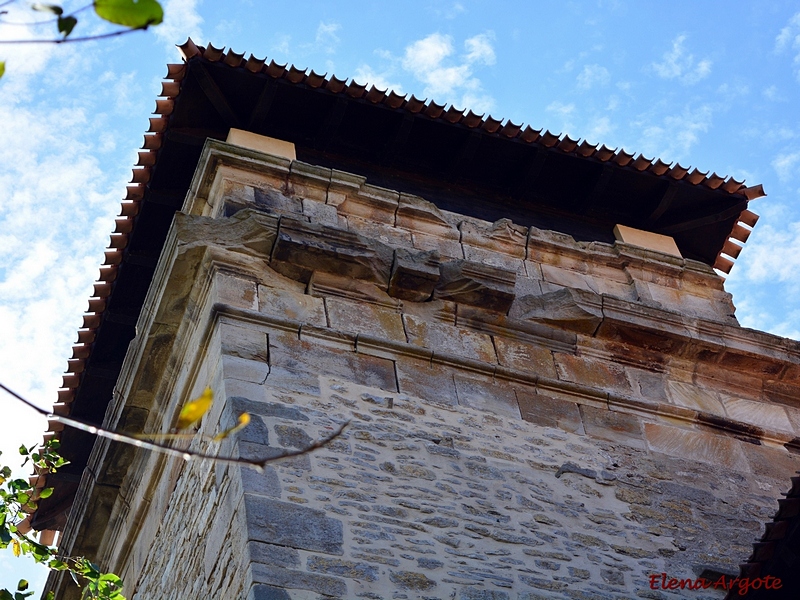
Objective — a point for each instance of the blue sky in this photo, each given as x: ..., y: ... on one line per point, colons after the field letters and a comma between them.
x: 712, y: 85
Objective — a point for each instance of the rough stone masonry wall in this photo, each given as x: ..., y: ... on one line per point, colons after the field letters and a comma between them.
x: 530, y: 417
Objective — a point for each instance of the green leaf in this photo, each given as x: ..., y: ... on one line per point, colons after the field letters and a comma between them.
x: 130, y: 13
x: 50, y: 596
x: 51, y: 8
x: 5, y: 595
x: 66, y: 25
x: 22, y: 585
x: 46, y: 493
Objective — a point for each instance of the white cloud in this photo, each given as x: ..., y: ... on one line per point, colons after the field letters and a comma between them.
x: 674, y: 136
x: 786, y: 166
x: 431, y: 61
x: 181, y: 21
x: 677, y: 64
x: 365, y: 75
x: 480, y: 50
x: 599, y: 129
x: 789, y: 39
x: 773, y: 94
x: 774, y: 255
x: 593, y: 75
x: 326, y: 38
x: 564, y: 112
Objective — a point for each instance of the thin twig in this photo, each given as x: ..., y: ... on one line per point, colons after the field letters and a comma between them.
x: 55, y: 20
x: 186, y: 455
x: 87, y: 38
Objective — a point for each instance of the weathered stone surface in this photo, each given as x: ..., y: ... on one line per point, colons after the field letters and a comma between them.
x: 444, y: 338
x: 550, y: 412
x: 414, y: 274
x: 236, y: 291
x: 268, y: 592
x: 409, y: 580
x: 612, y: 426
x: 302, y: 248
x: 591, y: 372
x: 573, y: 309
x: 286, y: 524
x: 696, y: 445
x: 298, y: 580
x: 475, y: 284
x: 291, y: 305
x: 694, y: 397
x: 270, y: 554
x: 485, y: 394
x: 273, y: 201
x: 525, y: 357
x: 769, y: 416
x: 359, y: 317
x: 343, y: 568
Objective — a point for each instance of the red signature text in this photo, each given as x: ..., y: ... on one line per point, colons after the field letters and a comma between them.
x: 660, y: 581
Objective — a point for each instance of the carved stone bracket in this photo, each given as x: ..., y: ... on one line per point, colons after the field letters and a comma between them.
x: 476, y: 284
x: 302, y: 248
x: 414, y: 274
x: 570, y: 308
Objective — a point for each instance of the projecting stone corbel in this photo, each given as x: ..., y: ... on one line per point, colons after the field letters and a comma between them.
x: 302, y: 248
x: 476, y: 284
x: 569, y: 308
x: 414, y: 274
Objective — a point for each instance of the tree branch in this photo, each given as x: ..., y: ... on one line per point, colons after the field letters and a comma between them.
x: 88, y: 38
x: 187, y: 455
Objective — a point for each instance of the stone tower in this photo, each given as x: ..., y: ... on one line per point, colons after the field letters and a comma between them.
x: 547, y: 391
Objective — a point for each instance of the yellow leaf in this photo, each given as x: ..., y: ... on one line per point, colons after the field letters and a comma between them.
x: 15, y: 547
x: 194, y: 410
x: 243, y: 421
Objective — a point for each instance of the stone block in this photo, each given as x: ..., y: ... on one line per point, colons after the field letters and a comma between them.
x: 236, y: 291
x: 501, y: 237
x: 268, y: 592
x: 288, y: 524
x: 528, y: 358
x: 775, y: 464
x: 431, y: 382
x: 359, y: 317
x: 591, y: 372
x: 242, y: 342
x: 414, y: 274
x: 550, y: 412
x: 450, y: 248
x: 265, y: 483
x: 290, y: 304
x: 612, y: 426
x: 417, y: 214
x: 761, y: 414
x: 279, y: 577
x: 319, y: 212
x: 487, y: 394
x: 410, y: 580
x: 386, y: 233
x: 444, y: 338
x: 694, y: 397
x: 650, y: 385
x: 370, y: 203
x: 302, y: 248
x: 292, y: 357
x: 568, y: 278
x: 476, y: 284
x: 254, y: 371
x: 270, y: 554
x: 573, y: 309
x: 308, y: 181
x: 273, y: 201
x: 711, y: 448
x: 343, y: 568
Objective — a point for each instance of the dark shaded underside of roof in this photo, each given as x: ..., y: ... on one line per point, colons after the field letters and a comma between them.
x: 461, y: 169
